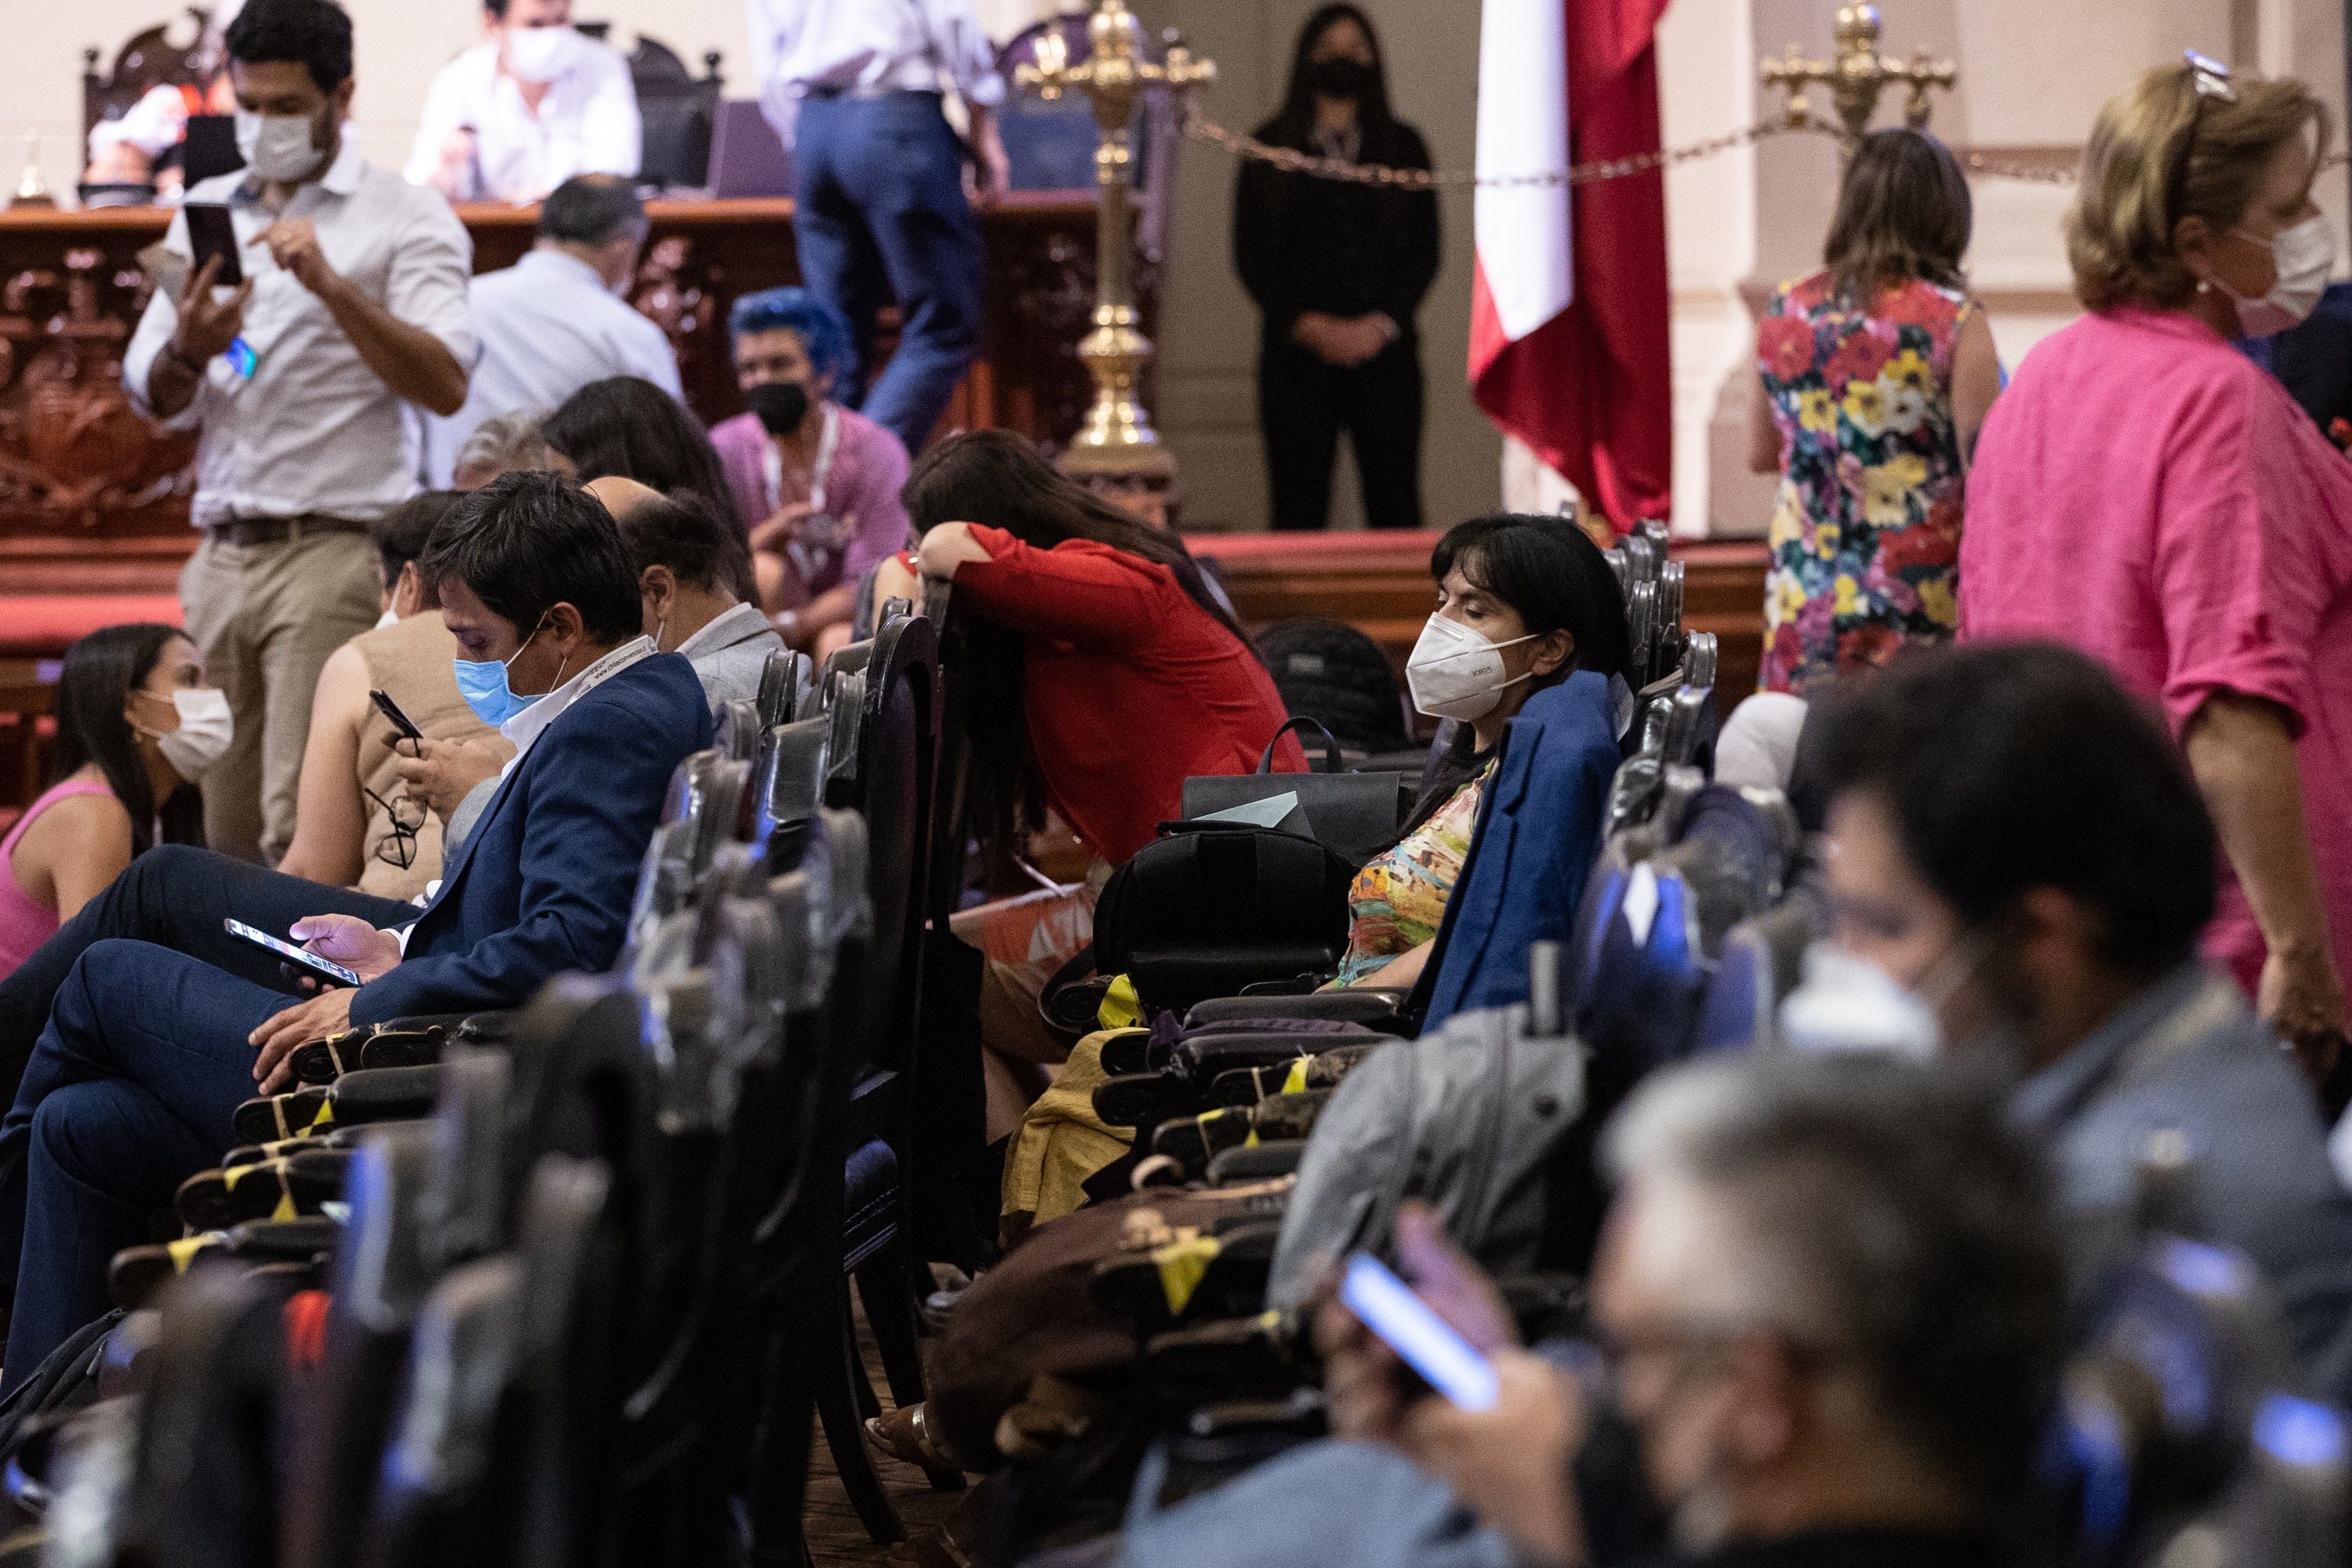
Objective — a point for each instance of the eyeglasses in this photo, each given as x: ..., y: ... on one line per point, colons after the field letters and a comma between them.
x: 2210, y: 78
x: 399, y: 851
x: 1689, y: 1352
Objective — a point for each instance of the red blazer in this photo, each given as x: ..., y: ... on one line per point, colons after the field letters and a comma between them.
x: 1130, y: 687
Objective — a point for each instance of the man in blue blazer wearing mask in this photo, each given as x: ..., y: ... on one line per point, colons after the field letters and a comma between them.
x: 147, y: 1023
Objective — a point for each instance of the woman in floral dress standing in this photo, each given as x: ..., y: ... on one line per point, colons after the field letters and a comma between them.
x: 1878, y: 372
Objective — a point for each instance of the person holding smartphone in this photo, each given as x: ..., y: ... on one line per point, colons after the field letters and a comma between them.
x: 358, y: 825
x: 294, y: 382
x: 1829, y: 1305
x: 143, y: 1022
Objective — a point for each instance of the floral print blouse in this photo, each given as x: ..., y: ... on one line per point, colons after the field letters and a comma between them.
x: 1865, y: 534
x: 1398, y: 901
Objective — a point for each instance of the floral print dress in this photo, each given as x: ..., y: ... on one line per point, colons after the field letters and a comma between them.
x: 1865, y: 536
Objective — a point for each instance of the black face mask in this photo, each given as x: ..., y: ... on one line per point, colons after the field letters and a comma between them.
x: 1624, y: 1519
x: 1340, y: 77
x: 782, y: 405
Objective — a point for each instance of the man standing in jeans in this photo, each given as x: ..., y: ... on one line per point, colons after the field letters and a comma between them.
x: 354, y: 302
x: 879, y: 212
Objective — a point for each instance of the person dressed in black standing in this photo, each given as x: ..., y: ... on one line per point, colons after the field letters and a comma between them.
x: 1339, y: 269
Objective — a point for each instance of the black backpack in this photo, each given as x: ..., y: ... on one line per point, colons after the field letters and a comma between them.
x: 1205, y: 911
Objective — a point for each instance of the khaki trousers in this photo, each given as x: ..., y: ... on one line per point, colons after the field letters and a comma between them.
x: 265, y: 617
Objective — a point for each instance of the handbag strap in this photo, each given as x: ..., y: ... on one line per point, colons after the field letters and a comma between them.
x: 1302, y: 723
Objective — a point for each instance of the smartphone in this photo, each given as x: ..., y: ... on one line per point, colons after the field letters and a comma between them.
x: 326, y: 969
x: 400, y: 721
x: 212, y: 232
x: 1386, y: 1305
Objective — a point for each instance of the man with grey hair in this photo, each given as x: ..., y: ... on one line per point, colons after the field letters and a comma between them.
x: 502, y: 444
x: 1829, y: 1298
x: 560, y: 318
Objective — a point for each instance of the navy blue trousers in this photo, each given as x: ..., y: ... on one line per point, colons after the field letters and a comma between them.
x: 879, y: 215
x: 131, y: 1024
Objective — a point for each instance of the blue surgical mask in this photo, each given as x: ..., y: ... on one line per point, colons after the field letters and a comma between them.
x: 482, y: 682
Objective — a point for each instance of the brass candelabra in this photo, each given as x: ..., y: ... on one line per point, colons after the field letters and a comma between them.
x: 1858, y: 74
x: 1117, y: 441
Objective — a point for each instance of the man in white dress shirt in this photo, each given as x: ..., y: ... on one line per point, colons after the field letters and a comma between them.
x: 353, y: 304
x: 880, y: 211
x: 556, y: 319
x: 512, y: 118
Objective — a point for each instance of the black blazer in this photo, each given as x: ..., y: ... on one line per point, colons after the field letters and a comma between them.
x: 1304, y: 244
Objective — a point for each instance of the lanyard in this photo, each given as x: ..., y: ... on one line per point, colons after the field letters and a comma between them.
x: 820, y: 473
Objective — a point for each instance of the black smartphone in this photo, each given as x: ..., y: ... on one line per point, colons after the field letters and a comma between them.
x: 400, y: 721
x: 212, y: 232
x: 327, y: 970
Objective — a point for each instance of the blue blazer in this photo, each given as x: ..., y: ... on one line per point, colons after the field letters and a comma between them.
x: 544, y: 882
x: 1538, y: 832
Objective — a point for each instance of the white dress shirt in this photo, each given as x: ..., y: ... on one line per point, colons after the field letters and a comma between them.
x: 587, y: 124
x: 315, y: 431
x: 868, y: 46
x: 531, y: 723
x: 521, y: 730
x: 155, y: 124
x: 548, y: 327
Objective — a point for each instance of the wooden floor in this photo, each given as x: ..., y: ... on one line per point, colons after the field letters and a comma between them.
x: 836, y: 1540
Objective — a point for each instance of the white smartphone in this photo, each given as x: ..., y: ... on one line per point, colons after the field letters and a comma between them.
x: 324, y: 968
x: 1386, y: 1305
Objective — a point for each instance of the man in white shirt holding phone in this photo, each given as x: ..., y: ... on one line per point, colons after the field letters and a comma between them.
x: 353, y: 304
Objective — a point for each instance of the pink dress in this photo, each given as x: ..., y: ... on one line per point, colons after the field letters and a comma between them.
x: 2147, y: 494
x: 24, y: 924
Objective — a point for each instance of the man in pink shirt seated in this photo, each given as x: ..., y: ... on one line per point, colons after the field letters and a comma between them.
x: 2144, y: 492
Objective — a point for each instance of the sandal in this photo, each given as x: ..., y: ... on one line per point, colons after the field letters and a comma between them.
x: 904, y: 1435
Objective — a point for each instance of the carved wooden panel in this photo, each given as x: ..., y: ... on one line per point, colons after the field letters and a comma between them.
x: 82, y: 478
x: 94, y: 500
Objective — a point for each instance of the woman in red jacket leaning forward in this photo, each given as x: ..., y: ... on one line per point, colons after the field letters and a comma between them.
x: 1093, y: 671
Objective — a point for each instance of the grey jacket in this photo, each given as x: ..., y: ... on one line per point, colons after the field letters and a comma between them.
x: 729, y: 653
x: 2188, y: 1055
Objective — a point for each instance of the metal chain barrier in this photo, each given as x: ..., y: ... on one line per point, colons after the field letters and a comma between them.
x: 1993, y: 168
x: 1201, y: 128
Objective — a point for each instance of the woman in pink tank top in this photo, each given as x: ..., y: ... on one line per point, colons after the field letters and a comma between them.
x: 136, y: 727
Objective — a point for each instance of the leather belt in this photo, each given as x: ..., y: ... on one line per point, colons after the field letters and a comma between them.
x: 248, y: 531
x: 865, y: 94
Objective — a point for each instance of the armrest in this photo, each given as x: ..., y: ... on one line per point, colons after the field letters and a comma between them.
x: 1374, y: 1009
x: 1257, y: 1162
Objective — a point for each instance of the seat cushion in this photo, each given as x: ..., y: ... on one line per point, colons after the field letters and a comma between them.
x: 869, y: 1201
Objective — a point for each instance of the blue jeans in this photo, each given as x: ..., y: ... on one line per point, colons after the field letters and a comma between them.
x: 143, y: 1005
x: 879, y: 215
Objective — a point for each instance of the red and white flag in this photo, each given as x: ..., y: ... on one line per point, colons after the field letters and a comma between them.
x: 1569, y: 307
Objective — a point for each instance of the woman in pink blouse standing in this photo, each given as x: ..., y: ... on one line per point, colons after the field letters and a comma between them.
x: 817, y: 482
x: 2146, y: 493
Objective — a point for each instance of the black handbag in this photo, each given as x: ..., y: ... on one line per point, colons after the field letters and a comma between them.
x: 1356, y: 816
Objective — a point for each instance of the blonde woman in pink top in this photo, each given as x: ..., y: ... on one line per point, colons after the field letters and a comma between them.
x: 136, y: 726
x: 2146, y: 493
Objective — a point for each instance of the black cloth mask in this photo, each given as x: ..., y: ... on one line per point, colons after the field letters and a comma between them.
x: 1340, y: 77
x: 782, y: 405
